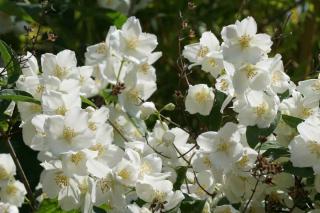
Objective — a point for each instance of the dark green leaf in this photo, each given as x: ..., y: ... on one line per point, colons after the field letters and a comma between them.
x: 10, y: 7
x: 192, y: 206
x: 298, y: 171
x: 17, y: 95
x: 292, y: 121
x: 254, y: 133
x: 10, y: 61
x: 181, y: 175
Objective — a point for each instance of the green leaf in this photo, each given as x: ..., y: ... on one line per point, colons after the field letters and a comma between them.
x: 52, y: 206
x: 271, y: 145
x: 253, y: 132
x: 12, y: 8
x: 108, y: 97
x: 17, y: 95
x: 118, y: 18
x: 298, y: 171
x: 215, y: 117
x: 181, y: 175
x: 292, y: 121
x: 88, y: 102
x: 10, y: 62
x: 192, y: 206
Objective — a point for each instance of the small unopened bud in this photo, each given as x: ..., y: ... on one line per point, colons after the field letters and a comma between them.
x: 147, y: 109
x: 169, y: 107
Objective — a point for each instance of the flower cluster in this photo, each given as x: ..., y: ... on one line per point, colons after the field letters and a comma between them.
x: 105, y: 155
x: 12, y: 191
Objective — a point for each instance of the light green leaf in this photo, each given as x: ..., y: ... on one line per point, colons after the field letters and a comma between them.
x: 88, y: 102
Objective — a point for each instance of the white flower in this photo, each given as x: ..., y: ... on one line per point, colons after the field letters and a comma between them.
x: 13, y: 192
x: 310, y: 89
x: 159, y: 192
x: 134, y: 208
x: 305, y: 148
x: 61, y: 65
x: 88, y: 87
x: 242, y: 44
x: 8, y: 208
x: 98, y: 53
x: 75, y: 163
x: 297, y: 106
x: 224, y: 146
x: 30, y: 66
x: 206, y: 181
x: 199, y: 99
x: 69, y: 133
x: 251, y: 76
x: 280, y: 81
x: 58, y: 103
x: 7, y: 167
x: 132, y: 42
x: 206, y: 53
x: 257, y: 108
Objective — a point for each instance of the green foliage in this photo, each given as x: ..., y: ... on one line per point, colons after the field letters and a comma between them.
x: 301, y: 172
x: 17, y: 95
x: 190, y: 205
x: 88, y: 102
x: 181, y: 174
x: 10, y: 61
x: 51, y: 206
x: 292, y: 121
x: 254, y: 133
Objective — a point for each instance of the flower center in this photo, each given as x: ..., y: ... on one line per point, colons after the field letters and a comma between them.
x: 59, y: 72
x: 262, y: 109
x: 124, y: 174
x: 61, y: 110
x: 202, y: 96
x: 132, y: 43
x: 244, y: 41
x: 203, y: 51
x: 40, y: 89
x: 224, y: 85
x: 68, y: 133
x: 61, y: 180
x: 76, y: 158
x: 99, y: 148
x: 159, y: 196
x: 92, y: 126
x: 11, y: 189
x: 223, y: 146
x: 314, y: 148
x: 3, y: 174
x: 316, y: 86
x: 145, y: 68
x: 250, y: 71
x: 102, y: 48
x: 212, y: 62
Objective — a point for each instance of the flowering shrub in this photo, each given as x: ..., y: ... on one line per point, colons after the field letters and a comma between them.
x: 100, y: 152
